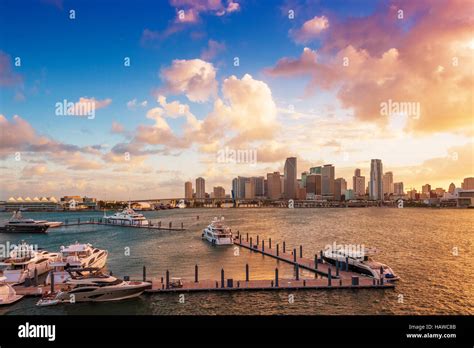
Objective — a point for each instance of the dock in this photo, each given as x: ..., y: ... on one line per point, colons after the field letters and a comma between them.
x: 104, y: 222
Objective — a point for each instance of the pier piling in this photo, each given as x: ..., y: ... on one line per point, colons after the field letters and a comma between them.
x: 347, y: 263
x: 301, y: 251
x: 247, y: 237
x: 294, y: 255
x: 276, y: 277
x: 257, y: 240
x: 297, y: 271
x: 337, y: 268
x: 251, y: 245
x: 167, y: 279
x: 196, y: 274
x: 270, y: 243
x: 329, y: 276
x: 315, y: 261
x: 278, y: 249
x: 284, y: 247
x: 247, y: 272
x: 263, y: 245
x: 321, y: 255
x: 222, y: 277
x: 144, y: 273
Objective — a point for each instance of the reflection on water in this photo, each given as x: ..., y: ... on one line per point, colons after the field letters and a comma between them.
x: 417, y: 243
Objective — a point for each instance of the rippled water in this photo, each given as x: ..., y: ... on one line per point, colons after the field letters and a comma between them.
x: 417, y: 243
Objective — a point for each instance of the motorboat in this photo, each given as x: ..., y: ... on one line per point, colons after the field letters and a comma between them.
x: 94, y: 287
x: 127, y: 217
x: 8, y: 295
x: 18, y: 224
x: 51, y: 224
x: 76, y: 256
x: 217, y: 233
x: 24, y: 262
x: 361, y: 262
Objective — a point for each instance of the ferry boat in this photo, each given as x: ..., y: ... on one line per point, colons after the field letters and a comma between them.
x: 217, y: 233
x: 361, y: 263
x: 7, y: 293
x: 18, y: 224
x: 76, y: 256
x: 128, y: 217
x: 23, y: 262
x: 95, y: 287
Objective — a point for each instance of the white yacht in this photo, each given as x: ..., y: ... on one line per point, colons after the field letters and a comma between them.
x: 217, y: 233
x: 95, y: 287
x: 361, y: 263
x: 7, y: 293
x: 76, y: 256
x: 23, y: 262
x: 127, y: 217
x: 51, y: 224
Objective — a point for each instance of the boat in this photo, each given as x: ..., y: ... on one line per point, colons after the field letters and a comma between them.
x: 24, y: 261
x: 76, y: 256
x: 51, y: 224
x: 18, y: 224
x: 95, y: 287
x: 217, y: 233
x: 7, y: 293
x: 127, y: 217
x: 361, y: 263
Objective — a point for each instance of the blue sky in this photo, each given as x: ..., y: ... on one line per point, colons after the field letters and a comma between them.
x: 70, y: 59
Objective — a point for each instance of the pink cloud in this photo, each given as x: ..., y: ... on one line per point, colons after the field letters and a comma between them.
x: 311, y: 29
x: 8, y: 77
x: 212, y: 50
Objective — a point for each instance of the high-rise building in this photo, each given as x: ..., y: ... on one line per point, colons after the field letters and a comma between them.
x: 358, y: 184
x: 303, y: 178
x: 452, y: 187
x: 388, y: 183
x: 426, y: 191
x: 376, y: 182
x: 290, y: 178
x: 328, y: 174
x: 238, y: 186
x: 439, y: 191
x: 249, y: 188
x: 315, y: 170
x: 340, y: 187
x: 188, y: 190
x: 468, y: 184
x: 349, y: 194
x: 219, y: 192
x: 200, y: 188
x: 314, y: 184
x: 398, y: 188
x: 259, y: 182
x: 274, y: 185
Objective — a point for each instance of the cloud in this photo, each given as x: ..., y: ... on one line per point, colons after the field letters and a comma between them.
x: 213, y: 49
x: 134, y: 103
x: 117, y: 128
x: 369, y: 60
x: 30, y: 171
x: 311, y: 29
x: 85, y: 101
x: 8, y: 77
x: 195, y: 78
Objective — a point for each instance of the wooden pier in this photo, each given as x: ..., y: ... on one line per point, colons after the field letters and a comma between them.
x: 104, y: 222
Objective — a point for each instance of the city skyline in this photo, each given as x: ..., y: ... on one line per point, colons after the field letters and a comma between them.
x: 183, y: 94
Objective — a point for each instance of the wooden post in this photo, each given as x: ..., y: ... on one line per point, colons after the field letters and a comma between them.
x: 222, y: 278
x: 263, y: 246
x: 247, y: 237
x: 144, y: 273
x: 294, y: 255
x: 182, y: 226
x: 347, y: 263
x: 240, y: 239
x: 167, y: 279
x: 247, y: 272
x: 276, y: 277
x: 315, y: 261
x: 284, y: 247
x: 251, y: 244
x: 196, y: 274
x: 301, y: 251
x: 337, y: 268
x: 257, y: 239
x: 278, y: 249
x: 52, y: 281
x: 321, y: 255
x: 297, y: 270
x: 269, y: 243
x: 329, y: 276
x: 170, y: 225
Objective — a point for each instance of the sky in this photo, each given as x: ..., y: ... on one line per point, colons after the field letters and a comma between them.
x: 174, y: 85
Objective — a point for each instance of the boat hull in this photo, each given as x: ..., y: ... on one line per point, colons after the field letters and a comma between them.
x: 105, y: 294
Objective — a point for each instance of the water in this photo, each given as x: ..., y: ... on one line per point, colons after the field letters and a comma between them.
x: 417, y: 243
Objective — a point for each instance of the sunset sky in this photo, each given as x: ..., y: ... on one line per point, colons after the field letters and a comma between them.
x: 310, y: 80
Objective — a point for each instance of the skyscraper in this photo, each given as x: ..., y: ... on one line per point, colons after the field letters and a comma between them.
x: 188, y: 190
x: 468, y: 184
x: 398, y: 188
x: 200, y: 188
x: 238, y: 186
x: 219, y: 192
x: 274, y: 185
x: 314, y: 184
x: 290, y: 178
x: 388, y: 183
x: 328, y: 173
x: 425, y: 191
x: 452, y: 187
x: 376, y: 182
x: 358, y: 184
x: 259, y: 186
x: 340, y: 187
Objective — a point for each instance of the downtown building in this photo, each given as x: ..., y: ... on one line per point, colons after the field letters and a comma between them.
x: 388, y: 187
x: 327, y: 181
x: 290, y: 176
x: 200, y: 188
x: 358, y: 184
x: 188, y: 190
x: 376, y: 181
x: 340, y: 188
x: 274, y: 185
